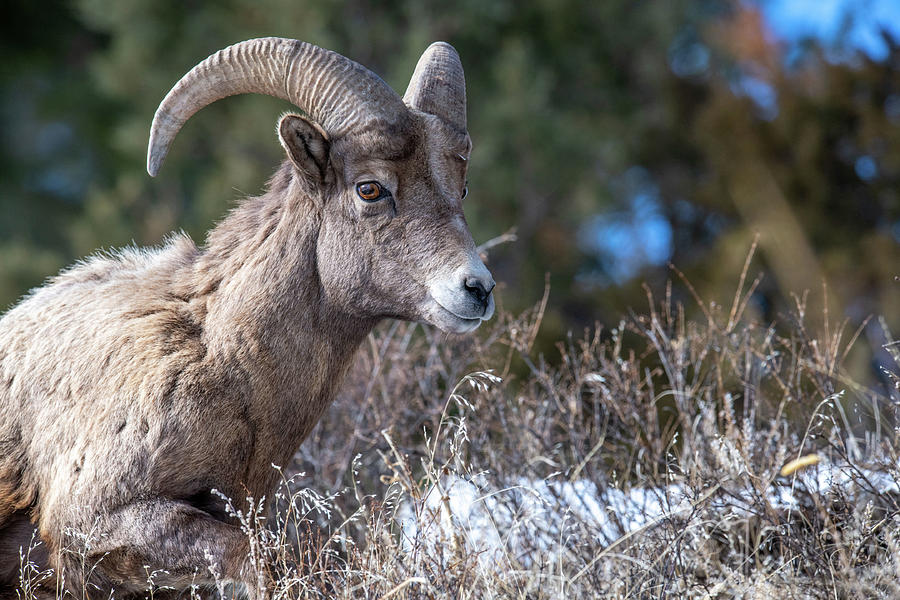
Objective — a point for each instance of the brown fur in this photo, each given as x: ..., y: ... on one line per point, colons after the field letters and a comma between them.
x: 134, y: 383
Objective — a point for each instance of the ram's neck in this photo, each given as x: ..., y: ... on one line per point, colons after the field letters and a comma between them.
x: 268, y: 318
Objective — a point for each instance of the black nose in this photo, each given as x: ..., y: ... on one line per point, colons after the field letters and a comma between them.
x: 476, y: 288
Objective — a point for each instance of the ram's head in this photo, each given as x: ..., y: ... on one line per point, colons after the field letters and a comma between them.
x: 384, y: 176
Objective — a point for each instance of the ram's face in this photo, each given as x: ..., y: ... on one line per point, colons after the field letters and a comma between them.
x: 388, y: 173
x: 396, y: 229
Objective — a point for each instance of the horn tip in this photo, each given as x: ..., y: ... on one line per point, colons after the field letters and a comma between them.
x: 154, y: 162
x: 156, y: 152
x: 441, y: 45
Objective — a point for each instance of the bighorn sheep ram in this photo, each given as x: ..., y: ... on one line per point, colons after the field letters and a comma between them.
x: 133, y: 384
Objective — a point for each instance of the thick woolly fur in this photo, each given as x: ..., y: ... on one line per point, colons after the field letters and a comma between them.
x: 135, y: 383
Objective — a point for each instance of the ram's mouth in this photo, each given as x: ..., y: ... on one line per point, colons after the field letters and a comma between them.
x: 448, y: 321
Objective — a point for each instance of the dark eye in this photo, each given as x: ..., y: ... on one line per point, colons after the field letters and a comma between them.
x: 465, y: 191
x: 370, y: 191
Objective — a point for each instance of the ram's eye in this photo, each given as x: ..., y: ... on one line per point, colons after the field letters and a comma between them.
x: 465, y: 191
x: 370, y: 191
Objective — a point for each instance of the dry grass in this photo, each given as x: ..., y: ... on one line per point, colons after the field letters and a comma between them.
x: 645, y: 461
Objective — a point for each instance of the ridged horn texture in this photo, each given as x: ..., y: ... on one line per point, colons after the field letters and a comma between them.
x: 438, y: 85
x: 336, y: 92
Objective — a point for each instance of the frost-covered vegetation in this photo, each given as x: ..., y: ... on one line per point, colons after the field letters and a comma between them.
x: 645, y: 461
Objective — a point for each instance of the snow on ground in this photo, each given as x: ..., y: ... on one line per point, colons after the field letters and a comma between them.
x: 496, y: 522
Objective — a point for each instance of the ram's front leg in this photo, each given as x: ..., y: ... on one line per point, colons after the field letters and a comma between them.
x: 177, y: 544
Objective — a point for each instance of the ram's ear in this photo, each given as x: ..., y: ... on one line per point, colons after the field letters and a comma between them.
x: 307, y: 145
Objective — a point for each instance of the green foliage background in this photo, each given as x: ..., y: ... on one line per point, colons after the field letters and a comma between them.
x: 576, y: 109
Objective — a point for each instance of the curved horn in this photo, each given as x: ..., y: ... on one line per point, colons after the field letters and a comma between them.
x: 333, y: 90
x: 438, y: 86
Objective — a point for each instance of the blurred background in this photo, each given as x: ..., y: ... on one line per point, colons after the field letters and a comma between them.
x: 614, y: 137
